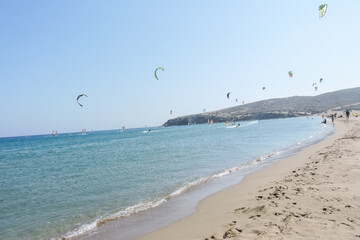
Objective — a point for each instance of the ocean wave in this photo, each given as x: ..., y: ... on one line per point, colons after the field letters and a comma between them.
x: 143, y: 206
x: 81, y: 230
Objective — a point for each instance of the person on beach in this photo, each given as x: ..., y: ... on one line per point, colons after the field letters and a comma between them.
x: 324, y: 121
x: 333, y: 118
x: 347, y: 115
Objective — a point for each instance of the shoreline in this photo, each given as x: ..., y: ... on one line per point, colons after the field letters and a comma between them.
x: 184, y: 201
x: 239, y: 211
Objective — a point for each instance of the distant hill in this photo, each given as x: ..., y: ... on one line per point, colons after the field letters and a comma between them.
x: 278, y: 108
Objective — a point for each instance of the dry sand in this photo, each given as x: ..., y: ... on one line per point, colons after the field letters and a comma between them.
x: 313, y: 195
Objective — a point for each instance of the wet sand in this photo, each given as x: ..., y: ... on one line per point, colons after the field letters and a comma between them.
x: 312, y: 195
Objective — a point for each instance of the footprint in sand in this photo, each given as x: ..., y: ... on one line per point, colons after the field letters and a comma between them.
x: 229, y: 234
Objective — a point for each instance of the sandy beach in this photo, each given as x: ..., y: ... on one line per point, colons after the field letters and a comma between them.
x: 312, y: 195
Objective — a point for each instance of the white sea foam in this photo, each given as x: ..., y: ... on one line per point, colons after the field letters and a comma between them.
x: 81, y: 230
x: 245, y: 124
x: 152, y: 131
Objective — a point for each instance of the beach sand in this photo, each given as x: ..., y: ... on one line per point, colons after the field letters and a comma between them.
x: 312, y: 195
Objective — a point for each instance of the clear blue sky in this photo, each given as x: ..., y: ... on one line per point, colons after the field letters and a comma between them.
x: 51, y: 51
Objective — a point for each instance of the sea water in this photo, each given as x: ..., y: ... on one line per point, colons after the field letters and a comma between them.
x: 64, y: 186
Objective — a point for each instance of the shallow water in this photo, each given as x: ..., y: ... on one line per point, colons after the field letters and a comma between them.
x: 63, y: 186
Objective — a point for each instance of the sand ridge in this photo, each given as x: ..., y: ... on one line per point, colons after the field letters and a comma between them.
x: 313, y: 195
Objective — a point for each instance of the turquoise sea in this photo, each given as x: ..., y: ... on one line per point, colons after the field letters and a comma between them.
x: 63, y: 186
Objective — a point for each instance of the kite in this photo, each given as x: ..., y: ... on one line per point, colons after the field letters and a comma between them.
x: 243, y: 102
x: 291, y: 74
x: 204, y: 110
x: 81, y: 95
x: 170, y: 112
x: 321, y: 80
x: 228, y: 95
x: 263, y: 88
x: 322, y: 10
x: 159, y: 68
